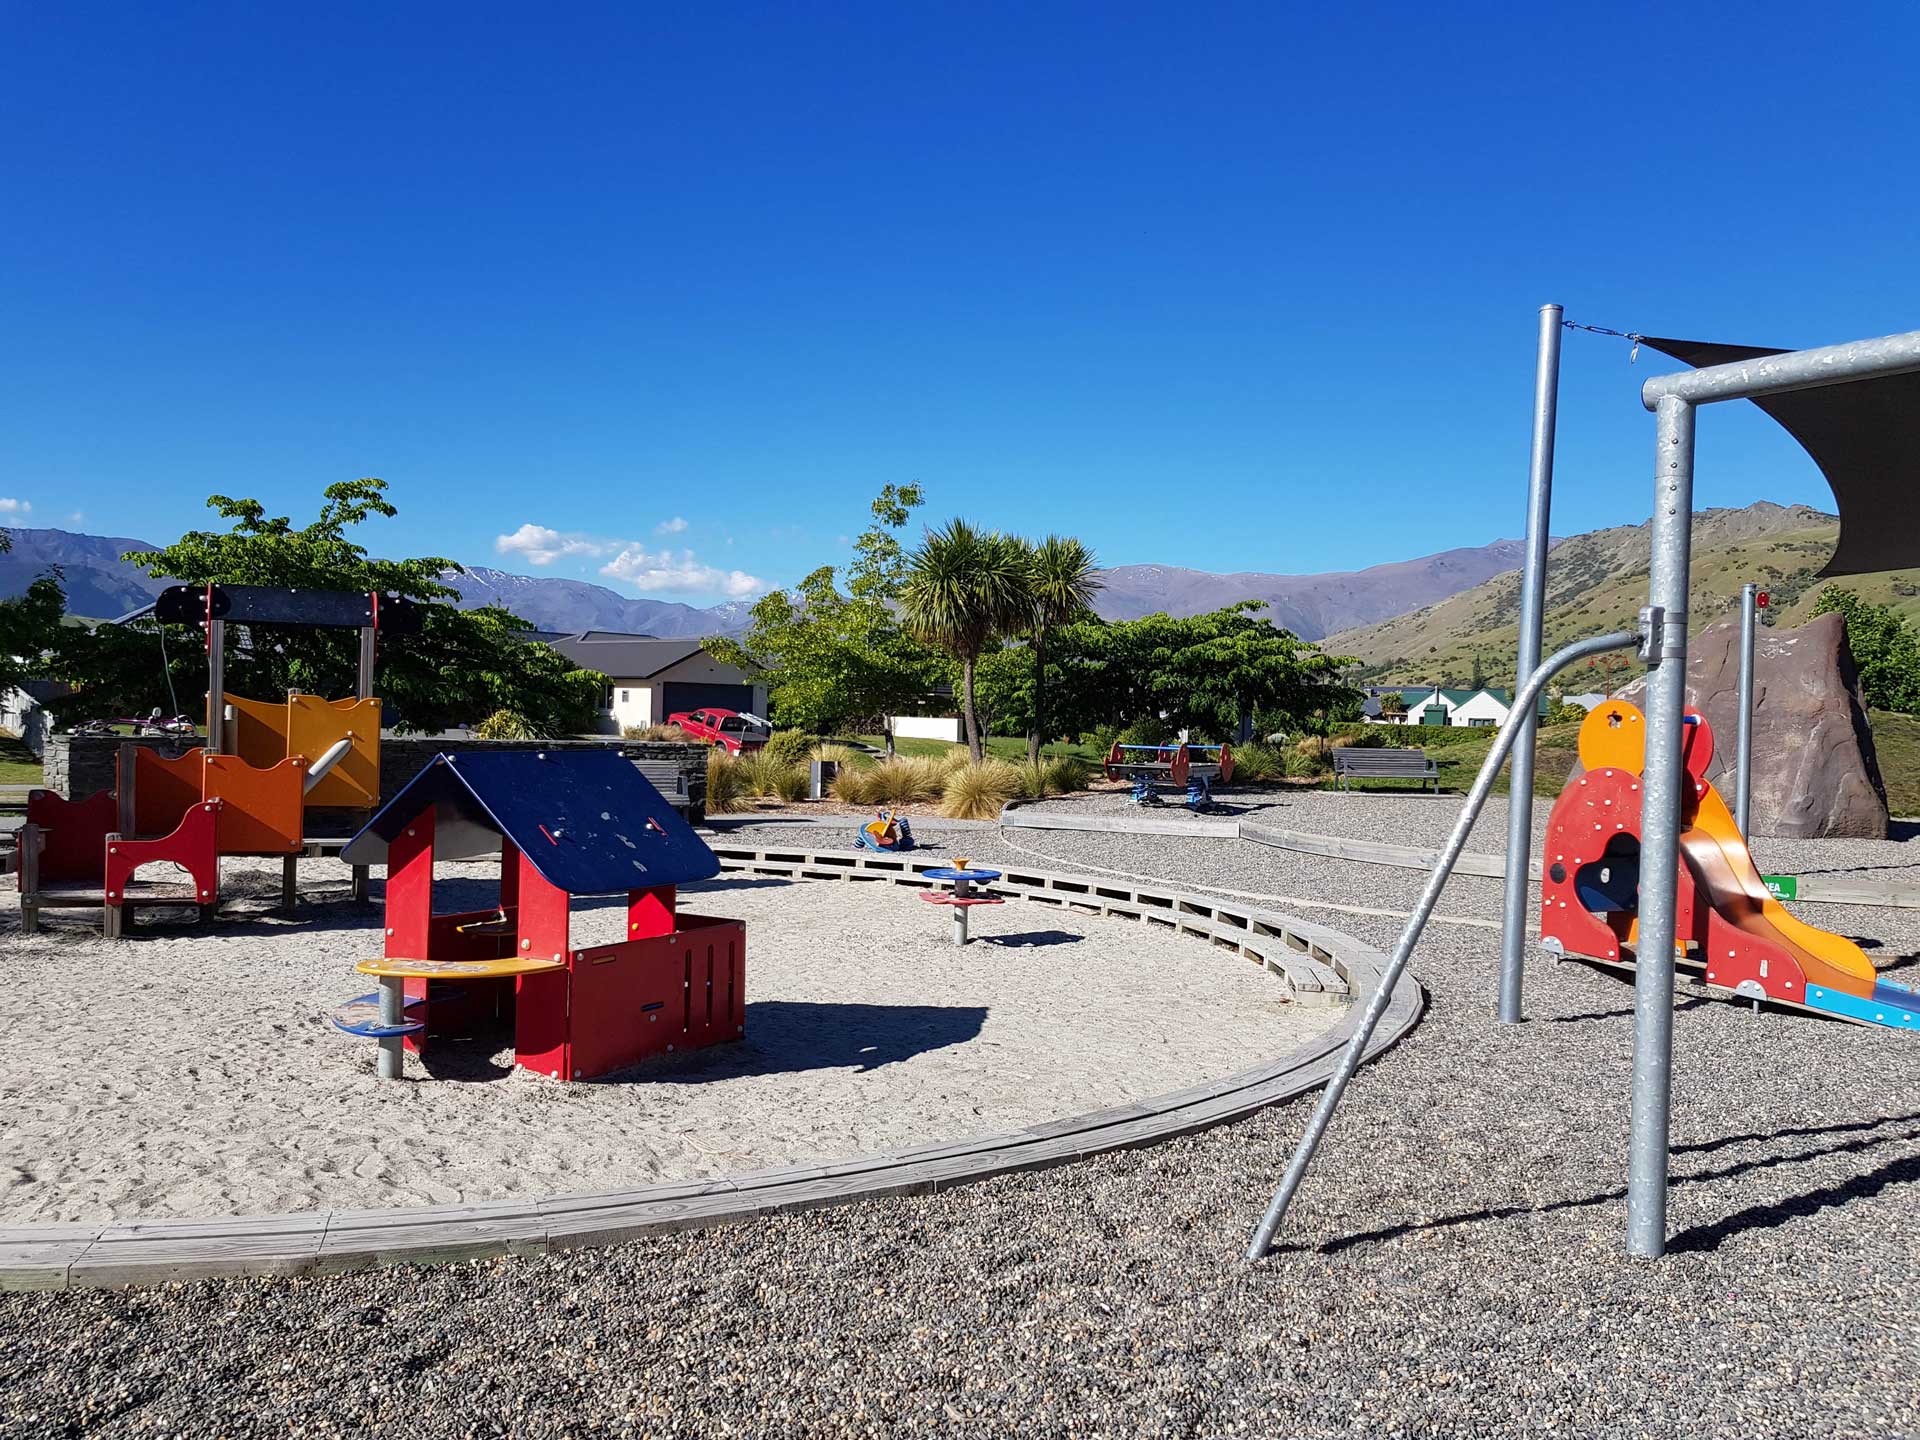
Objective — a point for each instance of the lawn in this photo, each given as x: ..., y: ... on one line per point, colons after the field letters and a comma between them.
x: 1460, y: 752
x: 18, y: 765
x: 1896, y: 740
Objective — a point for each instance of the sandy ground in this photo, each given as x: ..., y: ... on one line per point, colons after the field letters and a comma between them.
x: 194, y: 1072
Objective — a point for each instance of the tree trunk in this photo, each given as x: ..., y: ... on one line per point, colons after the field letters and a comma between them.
x: 1035, y: 735
x: 973, y: 725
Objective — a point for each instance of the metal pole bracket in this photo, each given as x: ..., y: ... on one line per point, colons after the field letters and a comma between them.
x: 1663, y: 635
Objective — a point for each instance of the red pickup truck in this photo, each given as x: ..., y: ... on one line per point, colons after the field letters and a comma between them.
x: 733, y: 729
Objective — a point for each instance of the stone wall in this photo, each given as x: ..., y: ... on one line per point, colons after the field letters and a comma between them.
x: 82, y: 764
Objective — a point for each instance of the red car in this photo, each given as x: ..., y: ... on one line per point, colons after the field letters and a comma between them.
x: 733, y: 729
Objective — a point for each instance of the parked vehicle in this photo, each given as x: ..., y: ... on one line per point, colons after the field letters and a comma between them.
x: 734, y: 730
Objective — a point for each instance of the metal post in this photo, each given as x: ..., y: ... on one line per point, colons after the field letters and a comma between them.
x: 216, y: 687
x: 364, y: 689
x: 393, y: 1011
x: 1533, y: 592
x: 1743, y: 746
x: 962, y: 890
x: 1409, y: 937
x: 1665, y: 625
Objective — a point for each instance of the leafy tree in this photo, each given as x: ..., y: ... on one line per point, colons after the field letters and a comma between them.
x: 29, y: 628
x: 965, y: 589
x: 1885, y: 648
x: 464, y: 665
x: 1061, y: 585
x: 1393, y: 706
x: 837, y: 661
x: 1201, y: 674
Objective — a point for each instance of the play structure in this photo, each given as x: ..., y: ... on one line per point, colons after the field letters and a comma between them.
x: 962, y: 897
x: 887, y: 831
x: 247, y: 791
x: 559, y: 826
x: 1730, y: 928
x: 1188, y: 765
x: 1695, y: 895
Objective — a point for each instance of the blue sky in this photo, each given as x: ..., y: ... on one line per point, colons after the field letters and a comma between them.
x: 663, y: 295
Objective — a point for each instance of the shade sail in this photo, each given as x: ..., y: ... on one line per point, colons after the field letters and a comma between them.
x: 1865, y: 437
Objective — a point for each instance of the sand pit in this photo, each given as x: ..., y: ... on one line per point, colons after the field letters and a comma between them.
x: 193, y: 1072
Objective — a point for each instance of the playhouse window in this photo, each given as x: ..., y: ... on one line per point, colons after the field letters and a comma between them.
x: 625, y: 695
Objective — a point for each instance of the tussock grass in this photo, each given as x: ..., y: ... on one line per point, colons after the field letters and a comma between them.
x: 977, y: 792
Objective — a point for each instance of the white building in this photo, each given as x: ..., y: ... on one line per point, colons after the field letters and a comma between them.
x: 1436, y: 705
x: 650, y: 679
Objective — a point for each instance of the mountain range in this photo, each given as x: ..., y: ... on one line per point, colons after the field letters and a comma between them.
x: 1434, y: 619
x: 102, y: 585
x: 1597, y: 583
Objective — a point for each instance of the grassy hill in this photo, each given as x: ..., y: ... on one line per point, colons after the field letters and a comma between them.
x: 1597, y: 582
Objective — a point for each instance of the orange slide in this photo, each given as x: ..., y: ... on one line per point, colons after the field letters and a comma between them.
x: 1730, y: 926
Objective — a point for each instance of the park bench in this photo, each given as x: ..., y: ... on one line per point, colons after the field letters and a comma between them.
x: 671, y: 781
x: 1350, y: 761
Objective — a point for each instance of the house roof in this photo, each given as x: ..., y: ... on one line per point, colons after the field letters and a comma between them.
x: 589, y: 822
x: 632, y: 657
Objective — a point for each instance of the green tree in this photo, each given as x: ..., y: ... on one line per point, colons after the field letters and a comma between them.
x: 464, y: 665
x: 29, y: 629
x: 1393, y: 706
x: 842, y: 660
x: 1886, y: 649
x: 1062, y: 582
x: 965, y: 589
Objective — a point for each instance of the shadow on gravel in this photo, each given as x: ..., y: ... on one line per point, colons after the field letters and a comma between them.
x: 1030, y: 939
x: 1903, y: 1171
x: 1706, y: 1237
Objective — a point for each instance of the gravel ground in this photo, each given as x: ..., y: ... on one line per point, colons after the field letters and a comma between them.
x: 1453, y: 1267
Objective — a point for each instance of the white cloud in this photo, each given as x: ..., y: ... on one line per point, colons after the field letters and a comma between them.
x: 11, y: 506
x: 671, y: 571
x: 78, y: 517
x: 670, y: 527
x: 541, y: 546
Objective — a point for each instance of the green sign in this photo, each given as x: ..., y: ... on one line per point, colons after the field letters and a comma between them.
x: 1782, y: 887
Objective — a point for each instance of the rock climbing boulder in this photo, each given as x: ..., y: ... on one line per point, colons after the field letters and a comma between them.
x: 1814, y: 771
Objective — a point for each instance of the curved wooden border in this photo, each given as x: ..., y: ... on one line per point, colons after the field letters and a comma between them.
x: 1318, y: 964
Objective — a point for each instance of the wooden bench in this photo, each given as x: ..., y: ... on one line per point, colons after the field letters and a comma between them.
x: 1354, y: 760
x: 671, y: 781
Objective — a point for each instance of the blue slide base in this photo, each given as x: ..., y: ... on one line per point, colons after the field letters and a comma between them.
x: 1892, y: 1006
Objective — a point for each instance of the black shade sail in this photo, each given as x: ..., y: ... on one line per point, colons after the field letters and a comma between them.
x: 1865, y: 437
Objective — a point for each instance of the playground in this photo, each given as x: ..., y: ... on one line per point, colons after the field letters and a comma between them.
x: 868, y: 1031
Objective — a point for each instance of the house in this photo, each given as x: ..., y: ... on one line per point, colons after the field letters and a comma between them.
x: 23, y: 710
x: 650, y: 678
x: 1485, y: 708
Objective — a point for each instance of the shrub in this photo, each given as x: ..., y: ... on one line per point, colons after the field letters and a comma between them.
x: 765, y: 774
x: 1565, y: 713
x: 905, y: 780
x: 1146, y: 732
x: 506, y: 725
x: 842, y: 755
x: 789, y: 747
x: 854, y: 785
x: 1065, y: 774
x: 976, y: 792
x: 1101, y: 738
x: 1256, y: 762
x: 1311, y: 755
x: 658, y: 732
x: 726, y: 783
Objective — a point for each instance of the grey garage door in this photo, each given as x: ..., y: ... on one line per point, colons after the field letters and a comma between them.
x: 683, y: 695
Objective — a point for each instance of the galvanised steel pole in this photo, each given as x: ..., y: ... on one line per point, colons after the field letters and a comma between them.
x: 1743, y: 748
x: 1533, y: 591
x: 1664, y: 627
x: 1409, y: 937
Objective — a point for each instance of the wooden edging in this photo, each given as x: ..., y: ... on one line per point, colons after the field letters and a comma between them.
x: 1814, y: 889
x: 1317, y: 963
